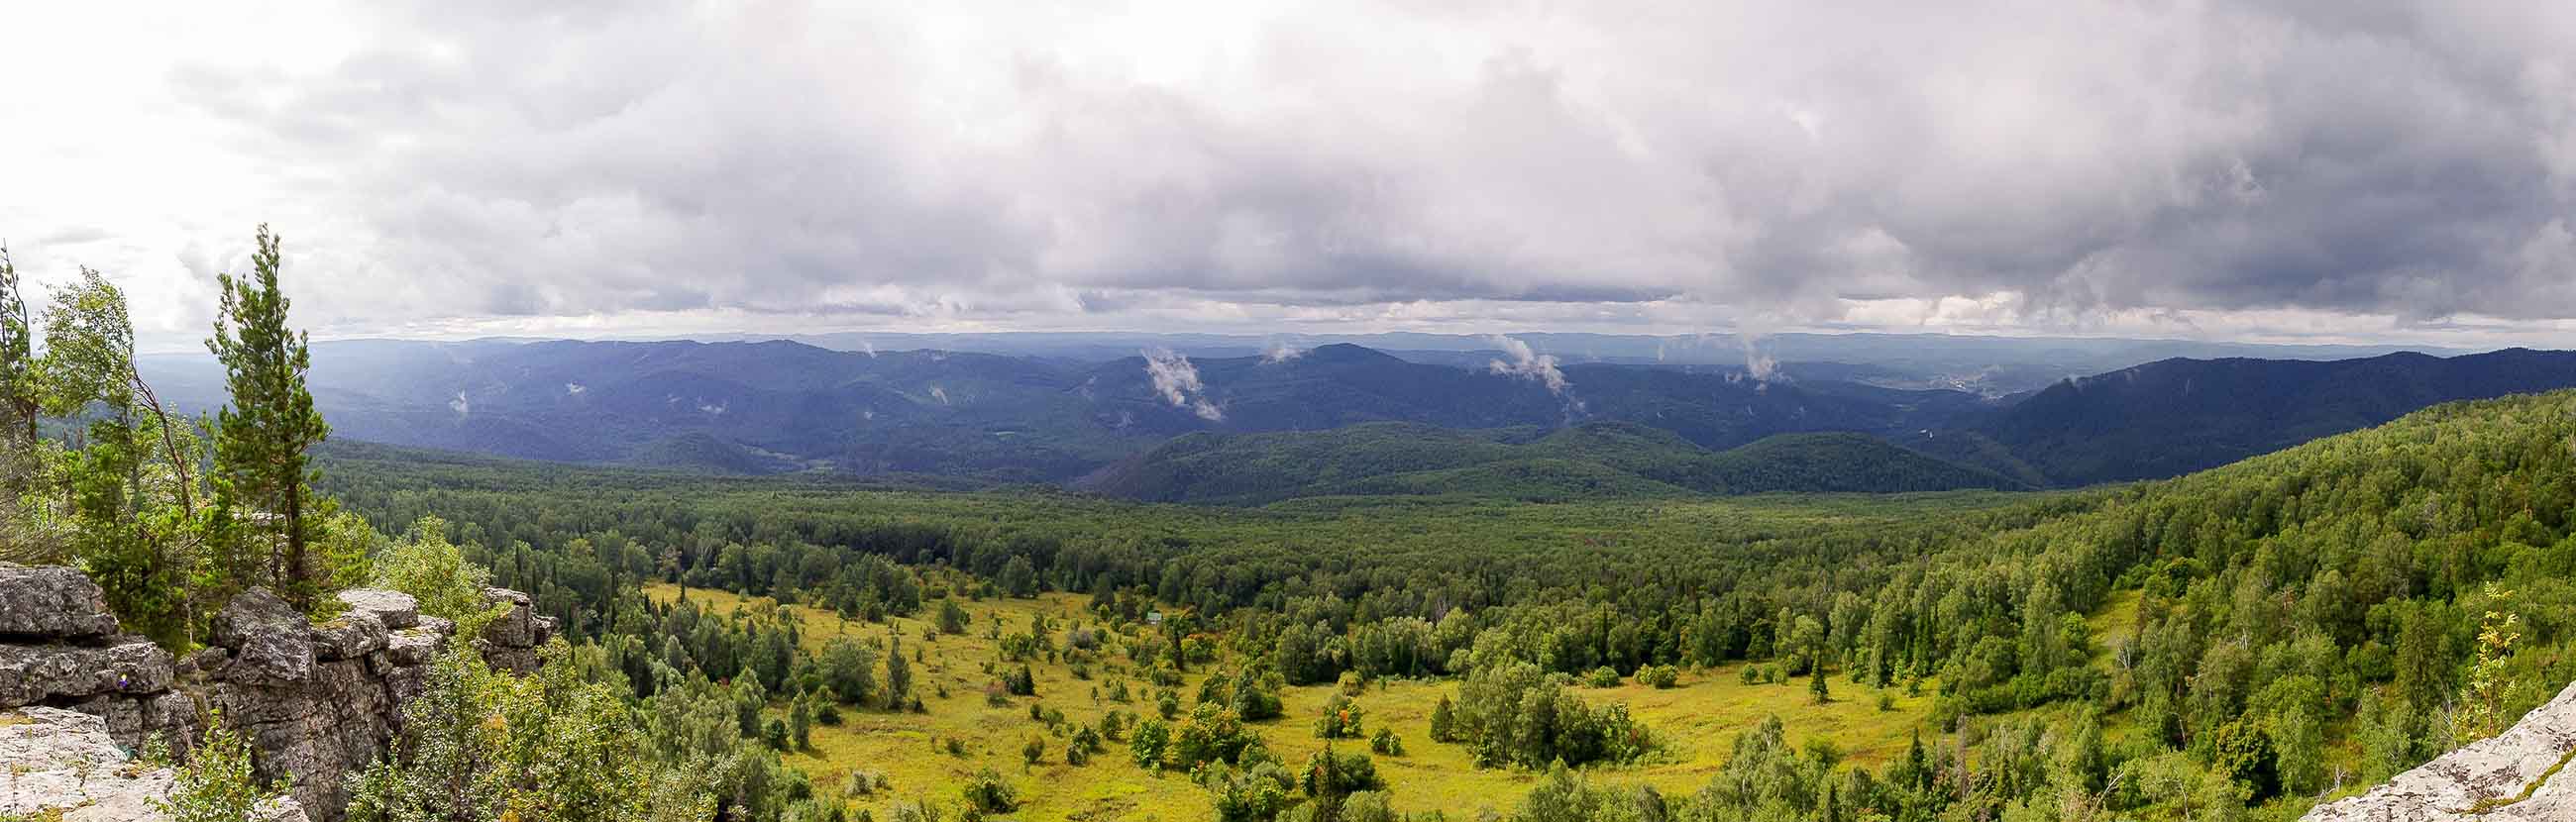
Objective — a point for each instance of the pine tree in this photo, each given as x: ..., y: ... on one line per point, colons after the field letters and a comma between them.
x: 898, y: 676
x: 17, y: 364
x: 20, y: 469
x: 1816, y: 682
x: 262, y: 437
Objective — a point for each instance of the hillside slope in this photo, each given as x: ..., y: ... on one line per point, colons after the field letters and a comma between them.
x: 2173, y: 417
x: 1599, y: 459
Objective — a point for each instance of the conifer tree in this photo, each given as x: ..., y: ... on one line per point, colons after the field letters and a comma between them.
x: 261, y: 439
x: 17, y: 363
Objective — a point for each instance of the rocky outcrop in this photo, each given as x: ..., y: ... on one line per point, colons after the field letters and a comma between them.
x: 57, y: 761
x: 52, y: 602
x: 511, y: 640
x: 2521, y: 775
x: 316, y: 702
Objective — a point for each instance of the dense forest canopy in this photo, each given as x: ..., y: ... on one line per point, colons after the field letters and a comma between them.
x: 2290, y: 624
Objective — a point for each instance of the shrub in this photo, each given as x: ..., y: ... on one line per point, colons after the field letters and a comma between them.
x: 1341, y: 719
x: 1444, y: 721
x: 216, y: 785
x: 987, y: 793
x: 1149, y: 743
x: 1516, y: 714
x: 1659, y: 676
x: 1602, y: 677
x: 1386, y: 743
x: 1021, y: 682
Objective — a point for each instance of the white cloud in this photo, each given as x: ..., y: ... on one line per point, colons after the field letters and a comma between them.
x: 1279, y: 351
x: 1178, y: 383
x: 1527, y: 364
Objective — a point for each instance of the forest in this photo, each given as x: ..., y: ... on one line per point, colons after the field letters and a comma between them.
x: 2239, y: 643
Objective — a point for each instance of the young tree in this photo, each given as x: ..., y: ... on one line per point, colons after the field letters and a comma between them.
x: 130, y: 487
x: 216, y: 785
x: 18, y: 390
x: 898, y: 677
x: 262, y: 437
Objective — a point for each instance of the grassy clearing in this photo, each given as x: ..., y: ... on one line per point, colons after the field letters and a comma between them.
x: 1696, y: 722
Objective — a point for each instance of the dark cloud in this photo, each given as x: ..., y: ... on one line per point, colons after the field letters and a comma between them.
x: 2047, y: 162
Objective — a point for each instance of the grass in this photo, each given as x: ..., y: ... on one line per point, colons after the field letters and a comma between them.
x: 1696, y: 722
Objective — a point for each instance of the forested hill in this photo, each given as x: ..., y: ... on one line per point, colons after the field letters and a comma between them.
x: 2249, y: 631
x: 2176, y: 416
x: 1591, y: 460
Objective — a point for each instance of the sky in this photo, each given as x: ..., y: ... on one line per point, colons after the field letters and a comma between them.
x: 2293, y: 171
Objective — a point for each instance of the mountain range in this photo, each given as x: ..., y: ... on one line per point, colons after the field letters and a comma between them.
x: 1346, y: 419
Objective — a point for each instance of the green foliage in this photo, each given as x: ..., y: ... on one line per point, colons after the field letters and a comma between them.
x: 1591, y: 460
x: 263, y: 435
x: 952, y: 618
x: 849, y: 669
x: 1444, y: 721
x: 1211, y: 734
x: 549, y: 748
x: 2243, y: 751
x: 1515, y: 714
x: 1659, y: 677
x: 2483, y: 710
x: 987, y: 793
x: 1341, y: 719
x: 435, y: 571
x: 216, y: 784
x: 1150, y: 743
x: 2336, y: 579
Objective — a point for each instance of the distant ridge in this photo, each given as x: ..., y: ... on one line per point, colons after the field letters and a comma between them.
x: 2176, y: 416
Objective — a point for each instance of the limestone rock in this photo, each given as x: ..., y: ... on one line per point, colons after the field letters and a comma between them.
x: 60, y: 760
x: 415, y: 646
x: 30, y: 674
x: 354, y: 635
x: 396, y: 609
x: 55, y: 760
x: 271, y: 642
x: 2488, y: 770
x: 52, y: 602
x: 516, y: 627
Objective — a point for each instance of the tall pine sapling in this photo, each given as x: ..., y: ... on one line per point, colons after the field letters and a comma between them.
x: 262, y: 437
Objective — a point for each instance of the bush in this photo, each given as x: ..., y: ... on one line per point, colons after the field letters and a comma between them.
x: 987, y: 793
x: 1385, y: 743
x: 1212, y: 734
x: 1515, y: 714
x: 1150, y: 742
x: 1021, y: 682
x: 1602, y: 677
x: 431, y: 569
x: 1444, y: 721
x: 1341, y: 719
x: 1659, y: 676
x: 1351, y: 683
x: 216, y: 785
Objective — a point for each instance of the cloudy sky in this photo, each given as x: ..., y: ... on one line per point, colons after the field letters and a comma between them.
x: 2300, y: 170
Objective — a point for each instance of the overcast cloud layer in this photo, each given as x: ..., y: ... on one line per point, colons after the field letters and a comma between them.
x: 2336, y: 169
